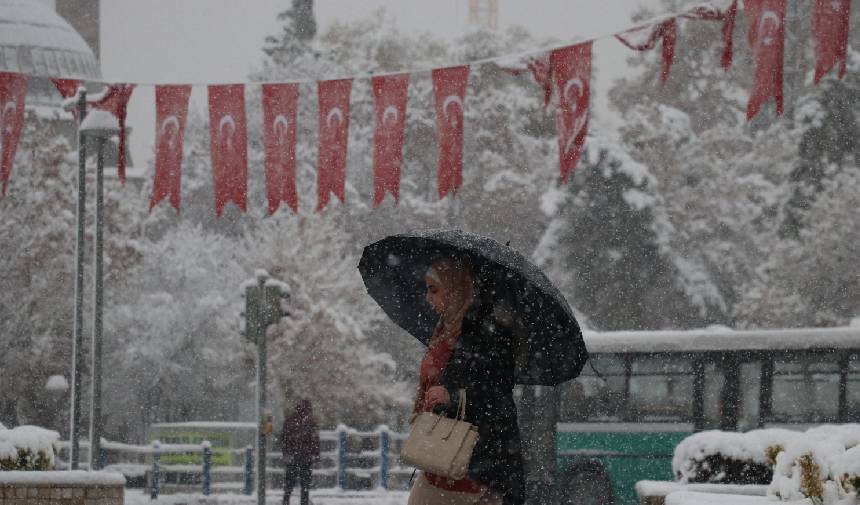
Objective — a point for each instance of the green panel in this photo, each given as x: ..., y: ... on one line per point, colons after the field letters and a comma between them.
x: 220, y: 446
x: 627, y: 457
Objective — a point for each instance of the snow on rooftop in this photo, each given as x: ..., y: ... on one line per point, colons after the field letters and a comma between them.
x: 98, y: 120
x: 38, y: 41
x: 718, y: 339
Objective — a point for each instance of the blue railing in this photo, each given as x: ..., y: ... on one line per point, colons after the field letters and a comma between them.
x: 358, y: 459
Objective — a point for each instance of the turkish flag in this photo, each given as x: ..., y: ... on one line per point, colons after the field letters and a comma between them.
x: 830, y: 35
x: 13, y: 90
x: 666, y: 32
x: 766, y: 34
x: 228, y: 142
x: 280, y: 110
x: 571, y: 73
x: 389, y: 96
x: 115, y: 100
x: 171, y: 110
x: 67, y: 87
x: 334, y: 134
x: 449, y: 88
x: 710, y: 13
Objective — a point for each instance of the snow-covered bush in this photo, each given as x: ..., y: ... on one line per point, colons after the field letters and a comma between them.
x: 822, y: 464
x: 727, y: 458
x: 27, y: 448
x: 846, y: 470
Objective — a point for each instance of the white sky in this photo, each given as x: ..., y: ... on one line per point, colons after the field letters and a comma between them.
x: 203, y: 41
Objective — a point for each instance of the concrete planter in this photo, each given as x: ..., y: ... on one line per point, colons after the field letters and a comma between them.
x: 61, y: 488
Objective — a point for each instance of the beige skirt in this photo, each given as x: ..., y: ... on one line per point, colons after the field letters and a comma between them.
x: 424, y: 493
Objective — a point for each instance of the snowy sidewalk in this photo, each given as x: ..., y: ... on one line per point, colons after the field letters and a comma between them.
x: 318, y: 497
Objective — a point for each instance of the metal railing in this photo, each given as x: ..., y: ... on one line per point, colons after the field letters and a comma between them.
x: 350, y: 459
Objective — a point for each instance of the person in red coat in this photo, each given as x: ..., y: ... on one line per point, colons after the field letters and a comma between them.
x: 301, y: 441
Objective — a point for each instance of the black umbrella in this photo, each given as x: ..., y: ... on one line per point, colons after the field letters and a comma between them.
x: 551, y: 349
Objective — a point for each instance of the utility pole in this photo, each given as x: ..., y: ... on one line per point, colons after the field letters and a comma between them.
x: 100, y: 125
x: 77, y: 339
x: 263, y: 296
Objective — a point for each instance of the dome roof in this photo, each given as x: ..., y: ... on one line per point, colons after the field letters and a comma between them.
x: 37, y: 41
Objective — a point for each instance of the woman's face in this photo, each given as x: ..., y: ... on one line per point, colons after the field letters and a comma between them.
x: 435, y: 294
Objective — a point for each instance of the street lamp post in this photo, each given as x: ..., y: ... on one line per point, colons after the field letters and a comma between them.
x: 263, y: 297
x: 100, y: 125
x: 77, y: 342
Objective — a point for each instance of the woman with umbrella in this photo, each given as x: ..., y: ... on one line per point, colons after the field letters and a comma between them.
x: 490, y: 319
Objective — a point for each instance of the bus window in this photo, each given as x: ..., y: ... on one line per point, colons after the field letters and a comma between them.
x: 805, y: 389
x: 750, y: 391
x: 852, y: 396
x: 590, y: 398
x: 715, y: 379
x: 661, y: 389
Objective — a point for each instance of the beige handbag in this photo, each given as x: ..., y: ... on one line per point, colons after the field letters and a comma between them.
x: 441, y: 445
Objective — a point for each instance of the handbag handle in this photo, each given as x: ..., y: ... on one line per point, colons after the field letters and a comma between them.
x: 461, y: 413
x: 461, y: 407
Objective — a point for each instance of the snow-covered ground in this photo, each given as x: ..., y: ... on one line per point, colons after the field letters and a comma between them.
x: 318, y: 497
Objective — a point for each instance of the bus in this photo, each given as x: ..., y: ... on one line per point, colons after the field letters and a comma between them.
x: 654, y: 388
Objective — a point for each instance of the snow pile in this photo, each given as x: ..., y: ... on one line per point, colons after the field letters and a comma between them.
x: 823, y: 465
x: 27, y: 448
x: 726, y: 457
x: 846, y: 470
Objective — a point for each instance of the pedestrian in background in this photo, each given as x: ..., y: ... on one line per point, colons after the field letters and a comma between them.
x: 301, y: 441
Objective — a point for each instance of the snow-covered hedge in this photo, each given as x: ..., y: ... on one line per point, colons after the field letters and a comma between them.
x: 727, y: 457
x: 822, y: 464
x: 27, y: 448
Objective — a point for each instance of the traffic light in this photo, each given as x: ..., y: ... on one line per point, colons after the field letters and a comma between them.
x: 263, y: 307
x: 273, y: 310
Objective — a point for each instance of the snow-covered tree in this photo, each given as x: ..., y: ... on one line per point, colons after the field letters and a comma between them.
x: 37, y: 262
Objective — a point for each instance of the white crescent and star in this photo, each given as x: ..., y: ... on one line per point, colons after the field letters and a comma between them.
x: 227, y: 120
x: 334, y: 112
x: 766, y: 34
x: 451, y: 99
x: 9, y: 108
x: 390, y: 111
x: 280, y: 126
x: 171, y: 136
x: 8, y: 111
x: 578, y: 126
x: 580, y: 120
x: 577, y: 83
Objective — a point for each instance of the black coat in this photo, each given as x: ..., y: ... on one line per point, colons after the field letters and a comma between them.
x: 483, y: 362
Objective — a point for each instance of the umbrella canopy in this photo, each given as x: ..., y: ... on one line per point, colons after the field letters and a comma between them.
x: 551, y: 349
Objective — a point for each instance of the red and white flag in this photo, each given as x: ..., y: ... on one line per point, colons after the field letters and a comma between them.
x: 389, y: 96
x: 666, y: 32
x: 13, y: 90
x: 67, y: 87
x: 571, y: 73
x: 171, y: 110
x: 727, y: 16
x: 830, y: 35
x: 280, y: 110
x: 449, y: 88
x: 334, y: 134
x: 766, y: 34
x: 228, y: 141
x: 115, y: 100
